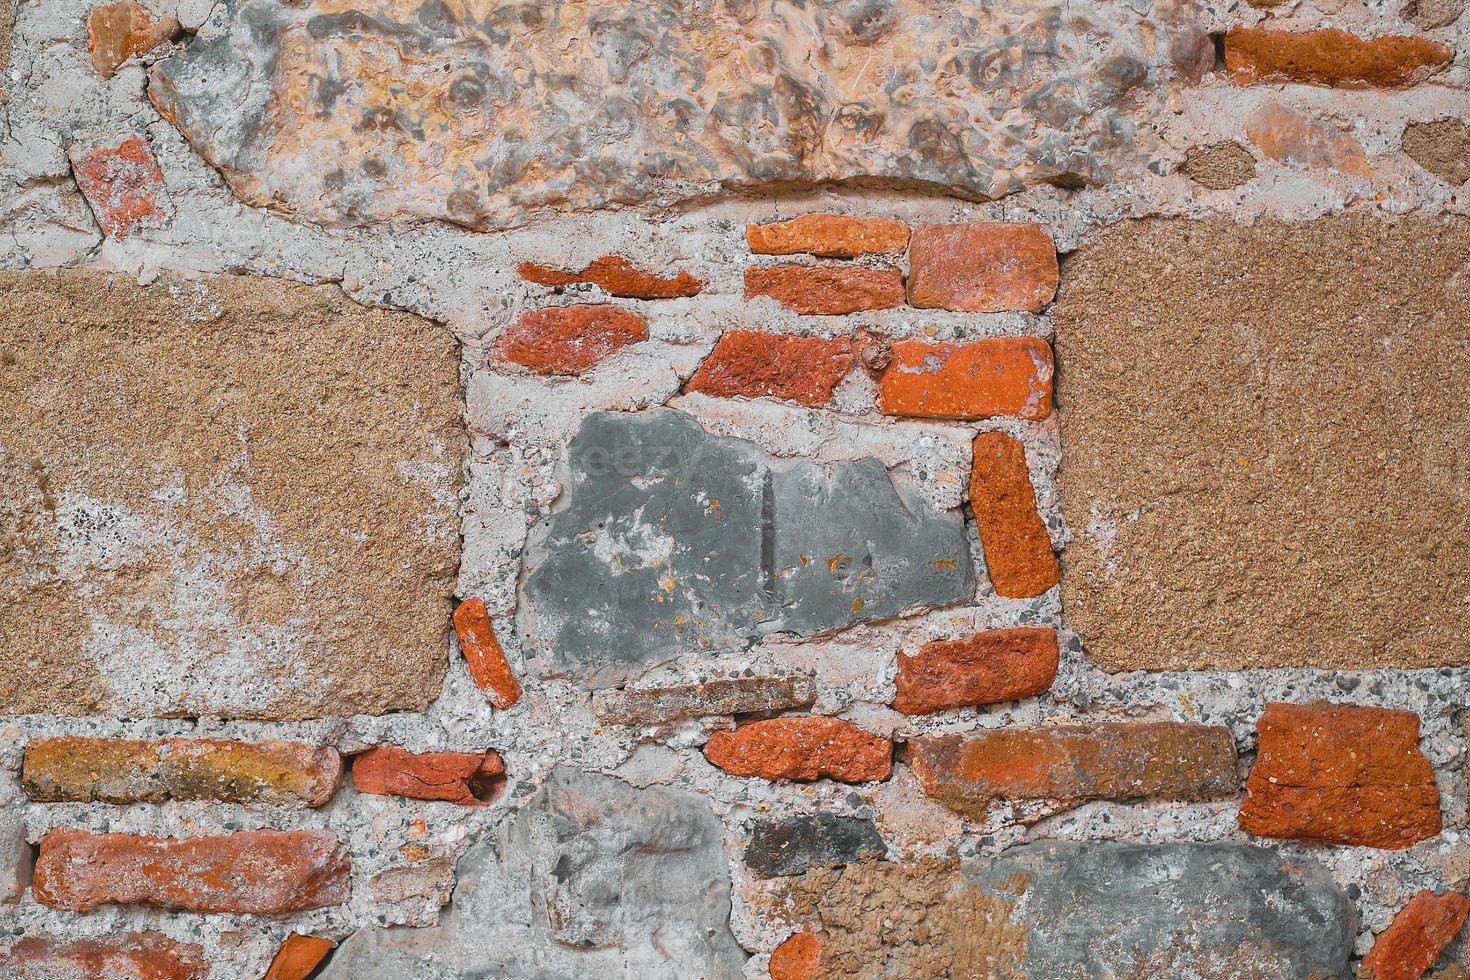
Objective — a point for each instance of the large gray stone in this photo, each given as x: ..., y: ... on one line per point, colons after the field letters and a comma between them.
x: 481, y: 114
x: 590, y: 878
x: 675, y: 541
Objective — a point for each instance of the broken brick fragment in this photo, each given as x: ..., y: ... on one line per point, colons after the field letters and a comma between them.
x: 826, y: 290
x: 468, y: 778
x: 978, y: 379
x: 1331, y: 57
x: 1018, y: 552
x: 297, y: 957
x: 569, y: 339
x: 617, y: 276
x: 802, y: 748
x: 1417, y: 935
x: 483, y: 654
x: 753, y: 364
x: 124, y: 186
x: 988, y: 667
x: 831, y: 236
x: 130, y: 955
x: 798, y: 958
x: 119, y: 31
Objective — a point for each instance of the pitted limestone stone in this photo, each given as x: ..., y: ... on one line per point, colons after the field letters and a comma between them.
x: 590, y: 878
x: 673, y: 540
x: 481, y: 114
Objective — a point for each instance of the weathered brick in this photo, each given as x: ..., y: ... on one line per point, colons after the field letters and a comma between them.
x: 826, y: 289
x: 116, y: 770
x: 482, y: 653
x: 1074, y: 763
x: 832, y: 236
x: 569, y: 339
x: 1418, y: 934
x: 727, y: 696
x: 617, y: 276
x: 118, y: 31
x: 1018, y: 552
x: 264, y: 872
x: 1288, y: 136
x: 469, y: 778
x: 798, y: 958
x: 821, y: 840
x: 124, y: 186
x: 996, y: 665
x: 1330, y: 57
x: 123, y: 956
x: 803, y: 749
x: 1340, y: 774
x: 297, y: 957
x: 753, y: 364
x: 986, y: 267
x: 974, y: 380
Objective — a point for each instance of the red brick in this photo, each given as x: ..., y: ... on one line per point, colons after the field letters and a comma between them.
x: 993, y: 666
x: 617, y: 276
x: 1018, y: 553
x: 975, y: 380
x: 987, y: 267
x: 124, y: 956
x: 1340, y: 774
x: 264, y: 872
x: 798, y: 958
x: 1418, y: 934
x: 751, y: 364
x: 121, y: 30
x: 1074, y: 763
x: 469, y: 778
x: 483, y: 654
x: 1330, y: 57
x: 297, y: 957
x: 118, y: 770
x: 569, y: 339
x: 803, y: 749
x: 832, y: 236
x: 124, y: 186
x: 826, y: 289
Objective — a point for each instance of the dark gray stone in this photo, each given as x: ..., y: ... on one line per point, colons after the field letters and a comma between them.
x: 591, y: 878
x: 673, y: 540
x: 821, y: 840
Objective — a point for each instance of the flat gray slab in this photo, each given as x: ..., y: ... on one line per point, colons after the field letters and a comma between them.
x: 674, y: 541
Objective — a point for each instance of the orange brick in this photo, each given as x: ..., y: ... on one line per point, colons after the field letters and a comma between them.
x: 483, y: 654
x: 802, y: 749
x: 140, y: 955
x: 569, y: 339
x: 617, y: 276
x: 263, y: 872
x: 975, y: 380
x: 993, y: 666
x: 1018, y: 553
x: 1418, y: 934
x: 833, y: 236
x: 297, y: 957
x: 468, y: 778
x: 1330, y: 57
x: 826, y: 289
x: 752, y: 364
x: 124, y: 186
x: 798, y: 958
x: 121, y: 30
x: 986, y: 267
x: 1340, y: 774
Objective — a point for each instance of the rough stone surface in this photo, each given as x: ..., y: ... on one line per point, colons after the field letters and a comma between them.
x: 118, y: 31
x: 1418, y: 934
x: 730, y: 696
x: 297, y: 957
x: 483, y: 117
x: 1442, y: 147
x: 1340, y: 774
x: 264, y: 872
x: 1330, y: 56
x: 15, y: 851
x: 114, y: 770
x: 674, y: 540
x: 590, y: 877
x: 975, y: 380
x: 569, y: 339
x: 802, y: 748
x: 197, y: 519
x: 798, y: 844
x: 125, y: 956
x: 1219, y: 166
x: 124, y: 185
x: 996, y: 665
x: 482, y: 653
x: 753, y: 364
x: 1222, y: 386
x: 832, y: 236
x: 469, y: 778
x: 826, y: 290
x: 1073, y: 763
x: 1018, y: 553
x: 798, y: 958
x: 1430, y: 14
x: 617, y: 277
x: 987, y: 267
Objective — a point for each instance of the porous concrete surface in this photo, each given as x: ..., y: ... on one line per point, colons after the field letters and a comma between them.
x: 515, y: 471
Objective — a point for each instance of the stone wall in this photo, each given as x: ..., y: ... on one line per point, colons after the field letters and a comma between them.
x: 895, y: 488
